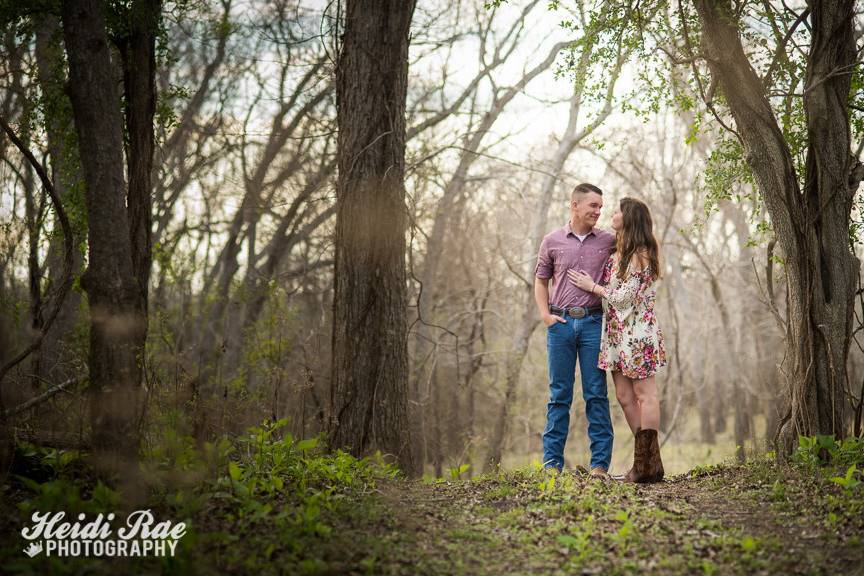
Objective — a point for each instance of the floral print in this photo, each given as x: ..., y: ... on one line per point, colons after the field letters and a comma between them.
x: 632, y: 342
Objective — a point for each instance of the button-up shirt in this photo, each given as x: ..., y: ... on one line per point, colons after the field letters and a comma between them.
x: 561, y: 250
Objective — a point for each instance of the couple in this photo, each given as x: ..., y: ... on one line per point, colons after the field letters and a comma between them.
x: 588, y: 265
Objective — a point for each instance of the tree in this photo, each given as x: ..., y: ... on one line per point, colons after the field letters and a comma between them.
x: 118, y: 224
x: 54, y: 358
x: 810, y: 215
x: 792, y: 137
x: 369, y: 387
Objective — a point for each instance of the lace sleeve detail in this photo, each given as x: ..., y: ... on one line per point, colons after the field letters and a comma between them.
x: 606, y: 276
x: 624, y: 295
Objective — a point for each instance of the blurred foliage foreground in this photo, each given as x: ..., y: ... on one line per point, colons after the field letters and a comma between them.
x: 266, y: 503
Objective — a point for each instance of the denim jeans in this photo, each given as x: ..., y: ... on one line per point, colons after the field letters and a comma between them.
x: 578, y: 339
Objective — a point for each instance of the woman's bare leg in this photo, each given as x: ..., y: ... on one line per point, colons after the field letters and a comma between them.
x: 649, y: 406
x: 627, y: 398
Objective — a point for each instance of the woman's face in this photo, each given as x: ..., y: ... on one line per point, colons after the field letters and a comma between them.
x: 617, y: 219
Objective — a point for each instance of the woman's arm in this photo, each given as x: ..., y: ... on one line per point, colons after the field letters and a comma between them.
x: 623, y: 296
x: 619, y: 298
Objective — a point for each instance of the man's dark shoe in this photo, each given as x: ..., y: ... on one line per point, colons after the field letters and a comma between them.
x: 599, y: 472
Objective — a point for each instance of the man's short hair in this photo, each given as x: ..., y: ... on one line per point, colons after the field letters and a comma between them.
x: 582, y: 189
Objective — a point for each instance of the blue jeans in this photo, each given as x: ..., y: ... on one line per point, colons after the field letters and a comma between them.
x: 578, y: 338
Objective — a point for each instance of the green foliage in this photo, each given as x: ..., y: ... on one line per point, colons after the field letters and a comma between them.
x: 835, y: 463
x: 748, y: 544
x: 664, y: 39
x: 457, y: 471
x: 165, y: 116
x: 778, y: 491
x: 726, y: 175
x: 703, y: 470
x: 54, y: 109
x: 626, y: 528
x: 856, y: 225
x: 821, y: 450
x: 286, y: 491
x: 327, y: 517
x: 849, y: 480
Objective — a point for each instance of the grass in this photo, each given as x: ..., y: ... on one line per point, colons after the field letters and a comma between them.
x: 681, y: 453
x: 278, y: 505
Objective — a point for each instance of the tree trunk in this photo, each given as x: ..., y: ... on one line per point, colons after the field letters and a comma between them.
x: 738, y: 393
x: 65, y: 168
x: 138, y: 52
x: 812, y: 227
x: 435, y: 399
x: 116, y: 317
x: 369, y: 386
x: 34, y: 269
x: 706, y: 426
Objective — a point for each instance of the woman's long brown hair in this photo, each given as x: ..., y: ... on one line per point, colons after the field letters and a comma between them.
x: 636, y: 235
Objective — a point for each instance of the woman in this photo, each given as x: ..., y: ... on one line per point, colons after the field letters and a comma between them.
x: 632, y: 342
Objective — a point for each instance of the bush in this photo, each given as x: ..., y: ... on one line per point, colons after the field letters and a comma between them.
x: 285, y: 491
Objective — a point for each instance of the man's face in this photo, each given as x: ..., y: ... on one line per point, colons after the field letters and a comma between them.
x: 586, y: 208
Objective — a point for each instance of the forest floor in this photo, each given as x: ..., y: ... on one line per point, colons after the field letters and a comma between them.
x: 717, y: 520
x: 280, y: 506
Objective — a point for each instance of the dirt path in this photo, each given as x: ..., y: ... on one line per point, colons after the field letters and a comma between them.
x: 522, y: 524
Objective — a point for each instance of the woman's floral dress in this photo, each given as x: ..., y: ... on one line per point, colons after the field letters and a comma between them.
x: 632, y: 341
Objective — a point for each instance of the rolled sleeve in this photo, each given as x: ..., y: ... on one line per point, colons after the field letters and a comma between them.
x: 545, y: 266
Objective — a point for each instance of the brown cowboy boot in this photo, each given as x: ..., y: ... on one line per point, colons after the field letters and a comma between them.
x: 640, y: 454
x: 629, y: 476
x: 652, y: 463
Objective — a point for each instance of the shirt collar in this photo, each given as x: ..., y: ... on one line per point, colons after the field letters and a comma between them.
x: 569, y: 230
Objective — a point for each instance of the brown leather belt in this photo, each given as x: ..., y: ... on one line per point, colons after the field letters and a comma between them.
x: 576, y: 311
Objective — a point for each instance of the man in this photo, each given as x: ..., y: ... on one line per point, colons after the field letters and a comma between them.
x: 573, y: 318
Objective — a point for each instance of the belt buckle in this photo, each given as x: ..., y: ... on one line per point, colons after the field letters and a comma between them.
x: 577, y: 312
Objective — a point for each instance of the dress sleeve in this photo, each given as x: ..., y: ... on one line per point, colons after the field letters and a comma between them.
x: 606, y: 276
x: 622, y: 297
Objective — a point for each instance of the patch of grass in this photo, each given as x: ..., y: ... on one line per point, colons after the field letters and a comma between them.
x: 276, y: 505
x: 270, y: 496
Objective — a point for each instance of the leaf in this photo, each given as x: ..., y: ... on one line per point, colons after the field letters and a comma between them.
x: 307, y: 444
x: 104, y: 497
x: 567, y: 540
x: 29, y: 483
x: 234, y: 471
x: 624, y: 531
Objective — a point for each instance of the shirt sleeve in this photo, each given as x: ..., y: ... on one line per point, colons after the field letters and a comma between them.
x: 622, y: 297
x: 545, y: 265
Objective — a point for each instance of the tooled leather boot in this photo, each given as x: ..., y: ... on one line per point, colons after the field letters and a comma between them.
x: 652, y: 470
x: 640, y: 453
